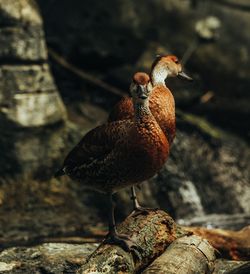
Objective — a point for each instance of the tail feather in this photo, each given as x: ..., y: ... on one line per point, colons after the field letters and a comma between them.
x: 59, y: 173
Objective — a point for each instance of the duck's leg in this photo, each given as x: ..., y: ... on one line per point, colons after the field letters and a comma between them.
x: 136, y: 205
x: 114, y: 237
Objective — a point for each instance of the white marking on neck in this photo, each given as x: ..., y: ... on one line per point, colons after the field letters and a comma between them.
x: 159, y: 74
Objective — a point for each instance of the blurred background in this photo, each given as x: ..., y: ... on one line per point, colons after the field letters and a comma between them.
x: 64, y: 64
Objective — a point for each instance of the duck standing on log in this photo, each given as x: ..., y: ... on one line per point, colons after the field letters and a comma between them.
x: 120, y: 154
x: 161, y: 101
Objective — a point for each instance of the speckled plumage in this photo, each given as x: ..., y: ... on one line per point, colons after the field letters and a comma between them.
x: 119, y: 154
x: 161, y: 102
x: 162, y: 106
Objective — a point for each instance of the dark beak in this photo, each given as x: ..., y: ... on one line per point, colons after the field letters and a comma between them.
x: 183, y: 75
x: 143, y: 92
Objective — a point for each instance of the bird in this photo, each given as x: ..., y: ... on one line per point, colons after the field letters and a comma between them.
x: 161, y: 102
x: 120, y: 154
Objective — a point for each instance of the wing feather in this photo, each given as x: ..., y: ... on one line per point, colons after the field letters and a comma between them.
x: 96, y: 146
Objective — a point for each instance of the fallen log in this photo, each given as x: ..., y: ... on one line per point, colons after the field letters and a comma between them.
x: 233, y: 245
x: 152, y: 233
x: 186, y: 255
x: 164, y: 247
x: 231, y: 267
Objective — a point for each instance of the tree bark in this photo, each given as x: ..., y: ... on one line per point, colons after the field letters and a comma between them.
x: 152, y: 233
x: 187, y: 255
x: 231, y: 267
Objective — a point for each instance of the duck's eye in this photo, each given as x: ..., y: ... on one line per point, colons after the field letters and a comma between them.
x: 176, y: 61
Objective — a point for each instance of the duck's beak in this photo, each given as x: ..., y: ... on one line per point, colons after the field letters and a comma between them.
x: 143, y: 92
x: 183, y: 75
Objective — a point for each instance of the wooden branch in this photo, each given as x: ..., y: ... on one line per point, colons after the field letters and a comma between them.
x: 84, y: 75
x: 243, y: 269
x: 231, y: 267
x: 202, y: 124
x: 189, y: 255
x: 152, y: 233
x: 231, y: 244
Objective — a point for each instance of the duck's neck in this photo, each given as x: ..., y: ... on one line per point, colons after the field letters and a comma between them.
x: 158, y: 75
x: 142, y: 110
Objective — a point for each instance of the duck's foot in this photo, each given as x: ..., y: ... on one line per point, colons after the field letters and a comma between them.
x: 122, y: 240
x: 142, y: 210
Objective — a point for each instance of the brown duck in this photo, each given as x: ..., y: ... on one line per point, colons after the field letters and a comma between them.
x: 121, y: 153
x: 161, y: 101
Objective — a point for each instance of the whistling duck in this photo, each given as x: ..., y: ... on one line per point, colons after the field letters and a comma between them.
x: 121, y: 153
x: 161, y: 101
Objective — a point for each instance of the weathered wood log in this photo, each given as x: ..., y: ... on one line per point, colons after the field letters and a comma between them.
x: 231, y: 244
x: 231, y: 267
x: 152, y: 233
x: 186, y: 255
x: 243, y: 269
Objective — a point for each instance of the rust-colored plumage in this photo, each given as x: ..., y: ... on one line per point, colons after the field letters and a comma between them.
x: 122, y: 153
x: 161, y: 102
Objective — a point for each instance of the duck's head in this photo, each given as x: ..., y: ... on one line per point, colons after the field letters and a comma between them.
x: 140, y: 87
x: 167, y: 66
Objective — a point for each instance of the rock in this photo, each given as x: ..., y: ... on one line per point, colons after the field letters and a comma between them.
x: 25, y: 79
x: 23, y: 68
x: 22, y: 36
x: 22, y: 12
x: 36, y: 153
x: 50, y: 258
x: 32, y: 211
x: 29, y: 97
x: 36, y: 109
x: 22, y: 44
